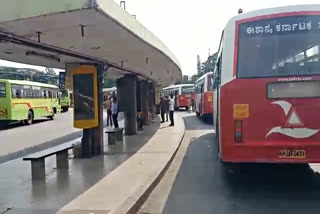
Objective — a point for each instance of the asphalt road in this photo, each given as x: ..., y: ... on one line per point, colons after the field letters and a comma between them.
x: 203, y: 185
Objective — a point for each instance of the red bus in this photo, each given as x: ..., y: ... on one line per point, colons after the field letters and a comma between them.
x: 182, y: 93
x: 204, y: 96
x: 267, y: 85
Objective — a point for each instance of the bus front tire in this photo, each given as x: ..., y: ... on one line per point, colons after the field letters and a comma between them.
x: 29, y: 119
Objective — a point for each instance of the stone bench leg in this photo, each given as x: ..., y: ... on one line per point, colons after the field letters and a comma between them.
x: 62, y: 160
x: 112, y: 138
x: 119, y: 136
x: 38, y: 170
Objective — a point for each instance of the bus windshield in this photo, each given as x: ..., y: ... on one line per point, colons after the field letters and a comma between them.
x: 64, y: 93
x: 275, y: 47
x: 2, y: 90
x: 187, y: 90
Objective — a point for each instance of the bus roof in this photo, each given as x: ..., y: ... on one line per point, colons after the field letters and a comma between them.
x: 25, y: 82
x: 274, y: 10
x: 109, y: 89
x: 204, y: 76
x: 178, y: 86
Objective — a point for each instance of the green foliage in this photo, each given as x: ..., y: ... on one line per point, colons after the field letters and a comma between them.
x: 109, y: 83
x: 50, y: 72
x: 207, y: 66
x: 49, y: 76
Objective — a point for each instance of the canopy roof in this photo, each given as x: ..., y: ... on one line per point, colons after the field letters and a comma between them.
x: 54, y: 33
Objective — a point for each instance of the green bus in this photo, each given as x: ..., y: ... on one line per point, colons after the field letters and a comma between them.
x: 65, y: 99
x: 24, y: 101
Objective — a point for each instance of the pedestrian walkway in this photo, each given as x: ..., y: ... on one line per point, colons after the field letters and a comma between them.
x: 120, y: 190
x: 21, y: 195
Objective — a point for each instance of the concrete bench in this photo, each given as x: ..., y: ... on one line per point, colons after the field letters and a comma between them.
x: 38, y: 170
x: 115, y: 135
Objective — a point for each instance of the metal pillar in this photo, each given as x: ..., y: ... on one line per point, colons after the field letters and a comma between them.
x: 97, y: 141
x: 145, y: 101
x: 127, y: 101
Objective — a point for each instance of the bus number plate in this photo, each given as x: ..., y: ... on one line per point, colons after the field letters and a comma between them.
x: 292, y: 154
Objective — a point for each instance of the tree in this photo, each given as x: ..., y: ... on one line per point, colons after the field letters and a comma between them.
x: 209, y: 64
x: 185, y: 79
x: 50, y: 72
x: 109, y: 83
x: 193, y: 78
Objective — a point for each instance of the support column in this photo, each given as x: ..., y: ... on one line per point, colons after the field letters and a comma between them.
x: 127, y: 98
x: 138, y: 95
x: 97, y: 142
x: 151, y: 100
x: 145, y: 101
x: 86, y: 144
x: 157, y: 90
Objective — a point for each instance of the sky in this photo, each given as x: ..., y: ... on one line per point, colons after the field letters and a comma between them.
x: 190, y: 27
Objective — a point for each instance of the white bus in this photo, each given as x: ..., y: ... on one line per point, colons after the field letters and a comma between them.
x: 181, y: 93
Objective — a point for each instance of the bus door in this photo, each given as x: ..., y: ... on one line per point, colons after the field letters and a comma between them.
x: 201, y: 98
x: 176, y: 98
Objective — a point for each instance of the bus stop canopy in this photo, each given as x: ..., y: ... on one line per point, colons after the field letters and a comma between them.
x: 55, y: 33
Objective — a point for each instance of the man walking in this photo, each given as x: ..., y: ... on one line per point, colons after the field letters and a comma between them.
x: 171, y: 109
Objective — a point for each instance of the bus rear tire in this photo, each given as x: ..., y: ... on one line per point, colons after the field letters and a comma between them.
x: 65, y: 109
x: 30, y: 118
x: 54, y: 111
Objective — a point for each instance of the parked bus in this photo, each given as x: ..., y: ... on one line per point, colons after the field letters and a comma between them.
x: 267, y: 85
x: 24, y: 101
x: 65, y: 99
x: 181, y: 93
x: 204, y: 96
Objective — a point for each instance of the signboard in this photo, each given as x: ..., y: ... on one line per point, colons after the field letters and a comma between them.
x: 85, y: 96
x: 240, y: 111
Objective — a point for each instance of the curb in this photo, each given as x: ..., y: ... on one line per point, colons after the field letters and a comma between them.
x: 144, y: 196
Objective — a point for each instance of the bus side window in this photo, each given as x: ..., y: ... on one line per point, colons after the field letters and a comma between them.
x: 217, y: 73
x: 16, y: 91
x: 50, y: 94
x: 2, y: 90
x: 44, y: 93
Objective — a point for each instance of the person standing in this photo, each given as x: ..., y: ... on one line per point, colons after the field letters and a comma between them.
x: 114, y: 110
x: 171, y: 109
x: 162, y: 108
x: 166, y: 107
x: 109, y: 111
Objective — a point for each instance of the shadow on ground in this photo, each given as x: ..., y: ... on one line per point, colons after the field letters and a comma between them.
x: 192, y: 122
x: 4, y: 127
